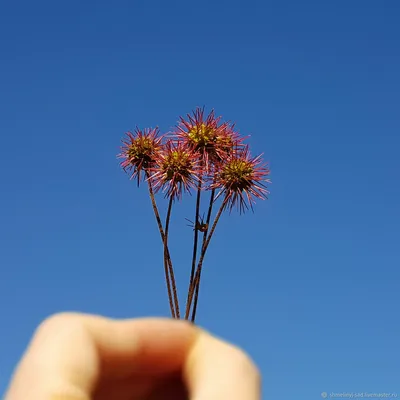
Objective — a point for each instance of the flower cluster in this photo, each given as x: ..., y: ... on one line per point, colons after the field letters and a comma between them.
x: 201, y: 153
x: 200, y: 149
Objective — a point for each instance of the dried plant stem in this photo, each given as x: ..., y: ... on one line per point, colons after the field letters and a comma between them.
x: 166, y: 255
x: 197, y: 287
x: 203, y: 253
x: 167, y: 260
x: 195, y: 243
x: 210, y: 207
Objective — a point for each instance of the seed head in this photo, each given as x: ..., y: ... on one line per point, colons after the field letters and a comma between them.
x: 212, y: 140
x: 175, y: 170
x: 240, y: 179
x: 139, y: 151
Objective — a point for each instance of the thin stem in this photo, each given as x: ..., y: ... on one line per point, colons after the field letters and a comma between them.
x: 196, y: 295
x: 203, y: 253
x: 197, y: 288
x: 195, y: 243
x: 171, y: 271
x: 168, y: 281
x: 210, y: 207
x: 160, y: 228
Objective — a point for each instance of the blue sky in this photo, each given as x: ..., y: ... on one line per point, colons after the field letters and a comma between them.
x: 309, y: 283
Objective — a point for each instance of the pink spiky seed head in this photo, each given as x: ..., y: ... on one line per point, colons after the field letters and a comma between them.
x: 139, y: 151
x: 241, y: 179
x: 207, y: 136
x: 176, y: 169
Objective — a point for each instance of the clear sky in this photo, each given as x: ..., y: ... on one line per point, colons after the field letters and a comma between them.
x: 309, y: 284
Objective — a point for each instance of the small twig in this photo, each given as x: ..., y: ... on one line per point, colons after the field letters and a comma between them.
x: 203, y: 253
x: 171, y: 271
x: 197, y: 288
x: 195, y: 243
x: 168, y: 267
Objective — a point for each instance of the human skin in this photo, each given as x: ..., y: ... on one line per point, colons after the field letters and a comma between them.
x: 80, y: 357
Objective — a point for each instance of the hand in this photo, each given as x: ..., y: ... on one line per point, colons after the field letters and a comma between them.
x: 82, y: 357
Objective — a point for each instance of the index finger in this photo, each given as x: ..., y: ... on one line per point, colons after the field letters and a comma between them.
x: 71, y: 353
